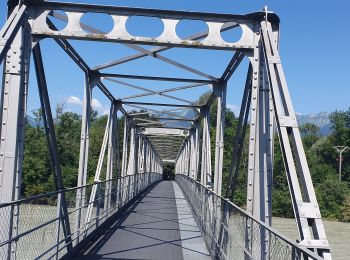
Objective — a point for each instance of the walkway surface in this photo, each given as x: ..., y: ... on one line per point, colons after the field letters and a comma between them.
x: 159, y: 226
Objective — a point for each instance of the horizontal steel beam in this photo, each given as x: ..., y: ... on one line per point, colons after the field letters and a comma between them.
x: 159, y: 104
x: 193, y: 37
x: 127, y: 76
x: 175, y: 119
x: 150, y: 92
x: 132, y: 11
x: 161, y: 92
x: 169, y: 18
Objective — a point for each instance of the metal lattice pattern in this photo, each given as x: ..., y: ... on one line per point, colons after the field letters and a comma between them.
x: 230, y: 233
x: 40, y: 233
x: 153, y: 136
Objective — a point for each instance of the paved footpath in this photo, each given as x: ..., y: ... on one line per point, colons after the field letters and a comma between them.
x: 160, y: 226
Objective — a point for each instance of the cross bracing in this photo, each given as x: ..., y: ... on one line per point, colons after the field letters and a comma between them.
x: 174, y: 130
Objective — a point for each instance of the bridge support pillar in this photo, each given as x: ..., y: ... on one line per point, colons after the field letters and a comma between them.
x: 306, y: 209
x: 13, y: 110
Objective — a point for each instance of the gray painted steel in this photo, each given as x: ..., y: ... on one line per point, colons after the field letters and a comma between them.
x: 266, y: 101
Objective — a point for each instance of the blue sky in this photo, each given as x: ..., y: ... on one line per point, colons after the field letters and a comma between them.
x: 314, y: 51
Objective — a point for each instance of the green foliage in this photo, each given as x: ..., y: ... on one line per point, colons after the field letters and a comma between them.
x: 333, y: 196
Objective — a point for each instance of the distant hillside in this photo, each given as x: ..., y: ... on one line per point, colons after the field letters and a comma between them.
x: 320, y: 119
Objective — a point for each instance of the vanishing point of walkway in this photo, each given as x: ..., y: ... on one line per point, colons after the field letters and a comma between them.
x: 159, y: 226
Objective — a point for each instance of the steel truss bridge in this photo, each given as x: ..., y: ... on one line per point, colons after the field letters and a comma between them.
x: 133, y: 183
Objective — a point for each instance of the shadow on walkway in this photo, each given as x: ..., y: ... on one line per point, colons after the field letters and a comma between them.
x: 149, y: 229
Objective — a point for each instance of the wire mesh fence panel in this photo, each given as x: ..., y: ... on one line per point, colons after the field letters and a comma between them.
x: 231, y: 233
x: 44, y: 230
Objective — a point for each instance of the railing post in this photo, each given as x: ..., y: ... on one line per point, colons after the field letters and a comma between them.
x: 58, y: 223
x: 98, y: 203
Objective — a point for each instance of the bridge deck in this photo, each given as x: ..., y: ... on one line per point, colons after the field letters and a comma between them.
x: 159, y: 226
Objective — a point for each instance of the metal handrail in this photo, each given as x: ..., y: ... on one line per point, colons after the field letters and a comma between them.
x: 185, y: 178
x: 122, y: 189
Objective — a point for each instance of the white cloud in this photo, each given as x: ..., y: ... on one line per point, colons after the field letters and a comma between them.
x: 96, y: 104
x: 233, y: 108
x: 73, y: 100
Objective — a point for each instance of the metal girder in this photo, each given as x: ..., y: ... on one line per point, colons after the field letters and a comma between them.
x: 219, y: 141
x: 161, y: 92
x: 51, y: 140
x: 163, y: 131
x: 143, y: 50
x: 127, y: 76
x: 84, y: 153
x: 232, y: 66
x: 194, y: 37
x: 153, y: 123
x: 151, y: 92
x: 172, y: 62
x: 155, y: 111
x: 159, y: 104
x: 145, y: 120
x: 13, y: 111
x: 175, y: 119
x: 266, y: 98
x: 310, y: 225
x: 170, y: 18
x: 240, y: 136
x: 10, y: 29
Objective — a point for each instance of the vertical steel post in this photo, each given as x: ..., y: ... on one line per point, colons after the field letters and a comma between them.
x: 125, y: 146
x: 240, y: 136
x: 306, y: 209
x: 219, y: 142
x: 98, y: 169
x: 259, y: 187
x: 111, y: 155
x: 14, y: 92
x: 196, y: 150
x: 206, y: 172
x: 84, y: 153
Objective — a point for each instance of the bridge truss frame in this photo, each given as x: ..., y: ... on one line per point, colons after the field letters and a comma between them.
x: 266, y: 99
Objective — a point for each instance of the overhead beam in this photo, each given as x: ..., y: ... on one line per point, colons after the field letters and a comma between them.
x: 152, y: 92
x: 155, y: 111
x: 121, y: 34
x: 128, y: 76
x: 159, y: 104
x: 193, y: 37
x: 161, y: 92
